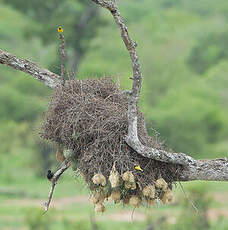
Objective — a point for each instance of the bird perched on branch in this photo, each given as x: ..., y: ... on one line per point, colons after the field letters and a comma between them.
x: 60, y: 29
x: 138, y: 168
x: 50, y: 175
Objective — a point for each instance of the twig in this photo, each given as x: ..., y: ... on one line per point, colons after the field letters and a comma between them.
x: 64, y: 166
x: 63, y: 55
x: 187, y: 197
x: 47, y: 77
x: 93, y: 222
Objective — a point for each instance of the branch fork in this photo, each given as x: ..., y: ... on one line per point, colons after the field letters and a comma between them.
x: 213, y: 169
x: 132, y: 138
x: 47, y: 77
x: 64, y: 166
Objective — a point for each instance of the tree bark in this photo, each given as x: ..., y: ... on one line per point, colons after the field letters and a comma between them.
x: 211, y: 170
x: 47, y: 77
x: 64, y: 166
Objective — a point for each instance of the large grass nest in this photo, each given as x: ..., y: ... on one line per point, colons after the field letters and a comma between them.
x: 89, y: 118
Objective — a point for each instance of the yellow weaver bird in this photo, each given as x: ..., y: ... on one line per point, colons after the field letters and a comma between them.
x: 60, y: 29
x: 138, y: 168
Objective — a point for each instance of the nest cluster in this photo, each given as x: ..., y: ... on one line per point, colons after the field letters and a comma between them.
x: 89, y: 118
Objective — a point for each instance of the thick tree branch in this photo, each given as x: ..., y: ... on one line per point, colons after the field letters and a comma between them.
x: 48, y: 78
x: 159, y: 155
x: 132, y: 138
x: 193, y: 169
x: 211, y: 170
x: 64, y: 166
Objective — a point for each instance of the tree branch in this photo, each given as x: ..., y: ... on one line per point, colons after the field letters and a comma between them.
x: 159, y: 155
x: 132, y: 138
x: 211, y: 170
x: 47, y: 77
x: 193, y: 169
x: 64, y: 166
x: 62, y: 55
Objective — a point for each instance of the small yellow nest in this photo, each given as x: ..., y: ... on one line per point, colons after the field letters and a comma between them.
x: 99, y: 179
x: 59, y: 154
x: 168, y: 196
x: 98, y: 197
x: 99, y: 207
x: 128, y: 177
x: 129, y: 185
x: 135, y: 201
x: 161, y: 184
x: 115, y: 195
x: 68, y: 153
x: 126, y: 200
x: 149, y: 191
x: 114, y: 178
x: 129, y: 180
x: 124, y: 194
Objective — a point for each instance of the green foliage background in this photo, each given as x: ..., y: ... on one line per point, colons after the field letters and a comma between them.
x: 182, y: 46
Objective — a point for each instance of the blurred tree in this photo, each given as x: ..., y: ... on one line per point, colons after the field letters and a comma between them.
x: 17, y: 107
x: 35, y: 220
x: 198, y: 7
x: 80, y: 20
x: 195, y: 220
x: 13, y: 136
x: 43, y: 158
x: 191, y: 118
x: 208, y: 52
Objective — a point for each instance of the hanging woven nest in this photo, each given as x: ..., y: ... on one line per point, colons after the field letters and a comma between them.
x: 89, y: 118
